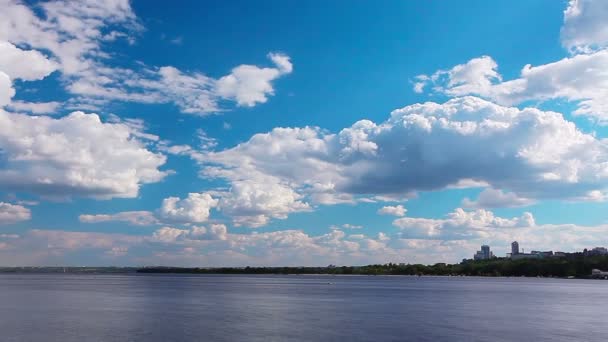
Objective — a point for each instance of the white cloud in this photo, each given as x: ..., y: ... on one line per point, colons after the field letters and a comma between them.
x: 205, y: 142
x: 397, y: 210
x: 169, y: 234
x: 475, y: 77
x: 6, y: 89
x: 136, y: 218
x: 192, y: 92
x: 253, y: 204
x: 492, y: 198
x: 419, y: 241
x: 16, y: 63
x: 346, y: 226
x: 12, y: 213
x: 77, y: 35
x: 26, y: 65
x: 72, y: 32
x: 581, y: 78
x: 194, y: 208
x: 249, y: 84
x: 213, y: 232
x: 282, y: 61
x: 195, y: 233
x: 34, y: 107
x: 465, y: 142
x: 585, y: 26
x: 76, y: 155
x: 460, y: 224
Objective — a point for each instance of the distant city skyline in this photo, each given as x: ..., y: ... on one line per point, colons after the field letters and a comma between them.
x: 300, y: 133
x: 485, y: 253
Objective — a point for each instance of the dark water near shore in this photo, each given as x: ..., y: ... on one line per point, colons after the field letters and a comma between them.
x: 152, y: 308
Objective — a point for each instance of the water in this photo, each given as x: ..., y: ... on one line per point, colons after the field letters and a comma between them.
x: 64, y: 307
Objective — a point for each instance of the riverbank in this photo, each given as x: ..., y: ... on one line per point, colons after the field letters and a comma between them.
x: 572, y: 266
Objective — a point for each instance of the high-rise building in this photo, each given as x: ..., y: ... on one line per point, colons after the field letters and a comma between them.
x: 484, y: 253
x: 514, y: 248
x: 485, y: 250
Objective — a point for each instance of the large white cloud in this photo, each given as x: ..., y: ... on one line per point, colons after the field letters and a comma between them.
x: 76, y: 155
x: 13, y: 213
x: 15, y: 63
x: 581, y: 78
x: 460, y: 224
x: 585, y: 27
x: 194, y: 208
x: 253, y: 204
x: 249, y: 85
x: 22, y: 64
x: 531, y: 153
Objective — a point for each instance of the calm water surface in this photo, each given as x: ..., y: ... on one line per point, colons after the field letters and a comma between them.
x: 299, y: 308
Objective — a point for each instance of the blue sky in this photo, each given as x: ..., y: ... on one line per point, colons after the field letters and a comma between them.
x: 241, y: 133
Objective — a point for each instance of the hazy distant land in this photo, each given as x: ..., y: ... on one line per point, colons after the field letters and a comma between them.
x: 575, y: 265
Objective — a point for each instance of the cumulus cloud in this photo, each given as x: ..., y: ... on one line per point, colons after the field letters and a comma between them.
x: 136, y: 218
x: 581, y: 78
x: 76, y: 155
x: 194, y: 208
x: 477, y: 76
x: 464, y: 142
x: 15, y: 63
x: 76, y: 35
x: 423, y: 240
x: 253, y: 204
x: 13, y: 213
x: 460, y: 224
x: 585, y: 26
x: 72, y: 32
x: 397, y: 210
x: 27, y: 65
x: 192, y: 92
x: 492, y: 198
x: 170, y: 234
x: 249, y: 84
x: 213, y: 232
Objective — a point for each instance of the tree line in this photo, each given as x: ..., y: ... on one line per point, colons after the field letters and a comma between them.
x: 573, y: 265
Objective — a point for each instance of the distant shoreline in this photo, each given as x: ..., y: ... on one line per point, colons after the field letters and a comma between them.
x: 576, y: 266
x: 135, y: 273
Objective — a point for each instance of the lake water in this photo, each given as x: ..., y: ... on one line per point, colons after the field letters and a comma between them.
x: 67, y: 307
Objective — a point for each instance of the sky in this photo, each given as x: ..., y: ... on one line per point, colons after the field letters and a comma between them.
x: 235, y: 133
